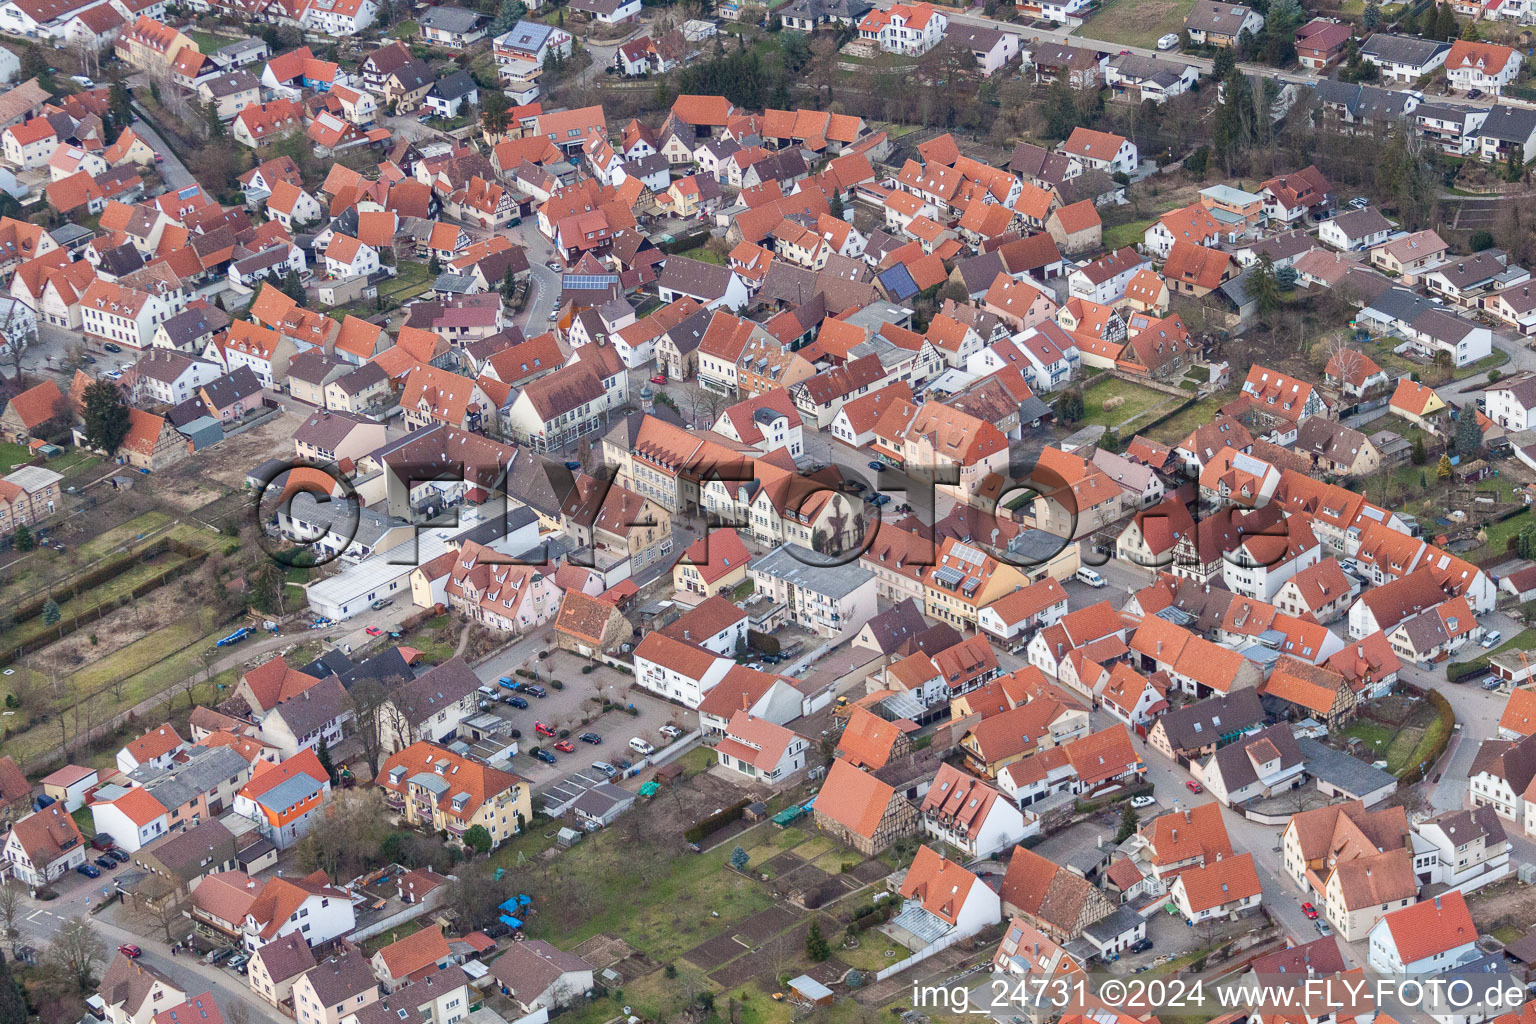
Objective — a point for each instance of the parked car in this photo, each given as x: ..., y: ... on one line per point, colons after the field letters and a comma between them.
x: 1142, y: 946
x: 105, y: 863
x: 660, y: 378
x: 518, y: 702
x: 543, y: 729
x: 623, y: 764
x: 1475, y: 94
x: 590, y: 737
x: 566, y: 747
x: 641, y: 747
x: 1492, y: 639
x: 573, y: 465
x: 536, y: 691
x: 1493, y: 683
x: 605, y: 768
x: 876, y: 465
x: 1143, y: 801
x: 1323, y: 928
x: 382, y: 603
x: 218, y: 956
x: 112, y: 348
x: 130, y: 951
x: 238, y: 961
x: 102, y: 841
x: 1088, y: 577
x: 374, y: 631
x: 89, y: 870
x: 671, y: 731
x: 1194, y: 787
x: 545, y: 756
x: 118, y: 855
x: 1309, y: 910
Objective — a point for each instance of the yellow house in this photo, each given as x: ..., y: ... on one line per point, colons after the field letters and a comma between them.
x: 1418, y: 404
x: 430, y: 785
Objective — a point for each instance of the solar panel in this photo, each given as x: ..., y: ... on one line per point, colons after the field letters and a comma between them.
x: 578, y: 282
x: 948, y: 577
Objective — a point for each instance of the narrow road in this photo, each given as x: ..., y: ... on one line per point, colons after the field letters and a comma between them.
x: 172, y: 171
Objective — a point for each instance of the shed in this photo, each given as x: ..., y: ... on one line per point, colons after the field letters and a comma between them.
x: 808, y: 989
x: 202, y: 432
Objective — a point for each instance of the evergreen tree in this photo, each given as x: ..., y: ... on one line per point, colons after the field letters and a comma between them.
x: 477, y: 838
x: 1514, y: 167
x: 1263, y: 287
x: 1060, y: 109
x: 816, y: 948
x: 23, y: 539
x: 1445, y: 25
x: 323, y: 755
x: 739, y: 859
x: 835, y: 205
x: 13, y: 1009
x: 1127, y: 822
x: 121, y: 104
x: 1420, y: 456
x: 508, y: 284
x: 51, y: 612
x: 106, y: 416
x: 1469, y: 436
x: 1443, y: 470
x: 1371, y: 18
x: 215, y: 123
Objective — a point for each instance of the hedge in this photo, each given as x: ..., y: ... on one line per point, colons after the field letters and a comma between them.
x: 715, y: 822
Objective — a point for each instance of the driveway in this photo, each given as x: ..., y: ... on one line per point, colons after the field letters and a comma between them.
x: 172, y: 171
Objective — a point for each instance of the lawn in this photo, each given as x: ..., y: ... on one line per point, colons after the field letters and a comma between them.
x: 13, y: 455
x: 1131, y: 233
x: 695, y: 900
x: 1181, y: 426
x: 207, y: 42
x: 1137, y: 22
x: 1137, y: 402
x: 412, y: 278
x: 1402, y: 748
x: 102, y: 595
x: 436, y: 639
x: 704, y: 255
x: 1499, y: 533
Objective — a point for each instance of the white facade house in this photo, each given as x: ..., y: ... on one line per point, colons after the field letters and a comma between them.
x: 1488, y: 67
x: 1428, y: 937
x: 678, y: 670
x: 967, y: 814
x: 904, y: 28
x: 132, y: 817
x: 1511, y: 402
x: 42, y: 847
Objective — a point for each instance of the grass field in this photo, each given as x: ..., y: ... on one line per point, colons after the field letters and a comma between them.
x: 1130, y: 233
x: 1138, y: 402
x: 413, y: 279
x: 207, y: 42
x: 1179, y: 427
x: 1402, y: 748
x: 703, y: 255
x: 1137, y: 22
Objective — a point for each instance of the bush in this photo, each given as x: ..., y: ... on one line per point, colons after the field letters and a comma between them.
x: 586, y: 670
x: 557, y: 684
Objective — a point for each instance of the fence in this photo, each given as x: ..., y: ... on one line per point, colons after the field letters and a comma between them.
x: 921, y: 955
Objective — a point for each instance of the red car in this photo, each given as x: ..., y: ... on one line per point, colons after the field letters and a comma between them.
x: 660, y: 378
x: 565, y: 746
x: 1194, y: 787
x: 374, y: 631
x: 542, y: 729
x: 1310, y: 911
x: 131, y: 952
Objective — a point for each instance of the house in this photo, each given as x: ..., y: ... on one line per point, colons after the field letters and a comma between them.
x: 335, y: 988
x: 1102, y: 151
x: 1355, y: 230
x: 1409, y: 256
x: 943, y: 897
x: 860, y: 810
x: 969, y: 815
x: 1051, y: 897
x: 452, y: 27
x: 1225, y: 888
x: 912, y: 29
x: 607, y: 12
x: 1141, y: 79
x: 286, y: 799
x: 1486, y: 66
x: 801, y: 589
x: 760, y: 750
x: 276, y: 966
x: 67, y: 785
x: 30, y: 494
x: 422, y: 951
x: 1336, y: 449
x: 1472, y: 847
x: 186, y: 856
x: 1261, y: 764
x: 155, y: 749
x: 536, y: 975
x: 1290, y: 197
x: 132, y: 992
x: 1213, y: 23
x: 1320, y: 43
x: 1418, y: 404
x: 32, y: 411
x: 42, y: 847
x: 1196, y: 270
x: 1428, y: 937
x: 1510, y: 402
x: 429, y: 707
x: 1354, y: 373
x: 1404, y: 58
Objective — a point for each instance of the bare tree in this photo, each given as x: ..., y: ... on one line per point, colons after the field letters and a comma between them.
x: 159, y: 903
x: 19, y: 336
x: 370, y: 704
x: 75, y: 951
x: 11, y: 892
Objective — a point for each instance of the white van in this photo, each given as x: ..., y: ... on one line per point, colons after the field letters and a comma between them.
x: 1088, y: 577
x: 641, y: 747
x: 488, y: 691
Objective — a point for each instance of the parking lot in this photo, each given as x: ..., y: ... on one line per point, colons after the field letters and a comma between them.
x: 576, y: 708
